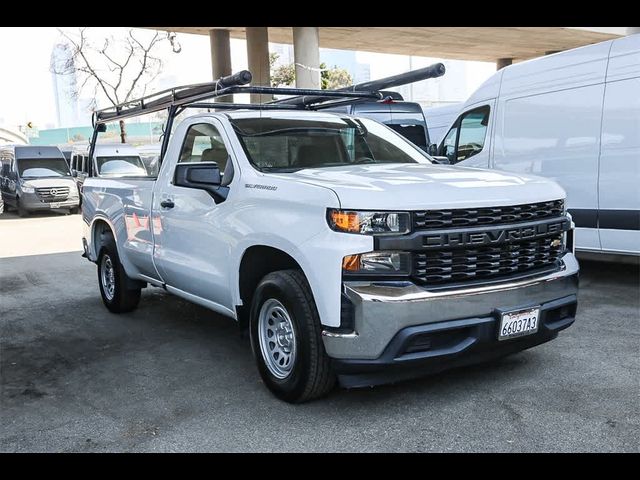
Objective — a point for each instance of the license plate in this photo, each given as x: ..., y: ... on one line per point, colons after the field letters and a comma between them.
x: 54, y: 205
x: 519, y: 323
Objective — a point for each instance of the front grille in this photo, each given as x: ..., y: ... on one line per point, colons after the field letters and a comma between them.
x: 475, y: 217
x: 478, y: 263
x: 53, y: 194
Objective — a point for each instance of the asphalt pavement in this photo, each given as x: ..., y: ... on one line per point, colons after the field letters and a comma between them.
x: 173, y: 376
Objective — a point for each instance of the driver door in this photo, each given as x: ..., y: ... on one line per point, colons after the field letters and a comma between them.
x: 192, y: 244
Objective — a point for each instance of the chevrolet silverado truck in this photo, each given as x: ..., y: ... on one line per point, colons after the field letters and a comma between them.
x: 343, y: 248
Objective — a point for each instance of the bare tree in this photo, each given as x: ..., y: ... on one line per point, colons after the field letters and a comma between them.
x: 118, y: 70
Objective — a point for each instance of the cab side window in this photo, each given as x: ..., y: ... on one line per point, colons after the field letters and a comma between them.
x: 203, y: 143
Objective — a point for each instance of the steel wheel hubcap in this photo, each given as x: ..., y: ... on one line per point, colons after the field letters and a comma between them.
x: 108, y: 277
x: 277, y: 338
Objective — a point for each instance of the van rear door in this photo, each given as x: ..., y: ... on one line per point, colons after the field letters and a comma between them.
x: 619, y: 191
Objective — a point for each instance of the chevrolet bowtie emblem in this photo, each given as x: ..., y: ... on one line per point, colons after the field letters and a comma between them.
x: 556, y: 242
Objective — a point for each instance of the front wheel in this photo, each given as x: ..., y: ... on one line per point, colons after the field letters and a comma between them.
x: 286, y: 338
x: 113, y: 280
x: 22, y: 212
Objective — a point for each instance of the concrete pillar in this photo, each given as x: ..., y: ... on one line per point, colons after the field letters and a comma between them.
x: 503, y: 62
x: 633, y: 30
x: 258, y: 60
x: 306, y: 54
x: 220, y: 57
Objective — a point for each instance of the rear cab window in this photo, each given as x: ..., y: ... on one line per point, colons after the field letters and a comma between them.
x: 125, y: 165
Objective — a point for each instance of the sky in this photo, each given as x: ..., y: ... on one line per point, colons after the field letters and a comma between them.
x: 26, y: 87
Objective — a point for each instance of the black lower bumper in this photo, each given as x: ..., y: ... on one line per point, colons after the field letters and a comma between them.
x: 434, y: 347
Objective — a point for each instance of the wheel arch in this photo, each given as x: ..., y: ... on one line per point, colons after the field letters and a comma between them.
x: 98, y: 226
x: 256, y: 262
x: 102, y: 225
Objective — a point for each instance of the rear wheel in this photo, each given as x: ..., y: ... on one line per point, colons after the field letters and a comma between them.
x: 116, y: 295
x: 286, y: 338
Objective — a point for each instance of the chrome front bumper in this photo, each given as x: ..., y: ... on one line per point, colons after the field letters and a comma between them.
x: 382, y: 309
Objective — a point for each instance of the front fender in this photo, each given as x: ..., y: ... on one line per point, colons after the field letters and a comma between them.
x: 319, y: 257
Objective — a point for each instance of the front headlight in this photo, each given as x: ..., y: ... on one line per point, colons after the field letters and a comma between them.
x: 368, y: 223
x: 377, y: 263
x: 27, y: 188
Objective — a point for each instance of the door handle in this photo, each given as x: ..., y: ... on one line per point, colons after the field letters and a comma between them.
x: 167, y: 203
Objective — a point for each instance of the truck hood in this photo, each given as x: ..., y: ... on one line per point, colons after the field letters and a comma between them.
x: 428, y: 186
x: 50, y: 182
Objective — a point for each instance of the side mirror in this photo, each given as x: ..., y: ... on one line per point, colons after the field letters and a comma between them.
x: 101, y: 127
x: 442, y: 160
x: 74, y: 172
x: 203, y: 176
x: 432, y: 149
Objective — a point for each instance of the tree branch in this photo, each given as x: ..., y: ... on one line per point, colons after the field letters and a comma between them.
x: 79, y: 50
x: 143, y: 65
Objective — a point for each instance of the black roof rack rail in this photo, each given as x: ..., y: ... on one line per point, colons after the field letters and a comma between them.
x: 432, y: 71
x: 175, y: 100
x: 185, y: 95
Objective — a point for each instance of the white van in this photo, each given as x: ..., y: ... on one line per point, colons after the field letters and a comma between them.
x: 574, y: 117
x: 439, y: 119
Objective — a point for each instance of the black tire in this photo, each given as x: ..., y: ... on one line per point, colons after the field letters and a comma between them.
x: 122, y: 299
x: 1, y: 206
x: 311, y: 375
x: 22, y: 212
x: 74, y: 211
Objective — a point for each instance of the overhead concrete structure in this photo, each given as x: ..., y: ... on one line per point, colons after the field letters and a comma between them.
x: 463, y: 43
x: 220, y: 57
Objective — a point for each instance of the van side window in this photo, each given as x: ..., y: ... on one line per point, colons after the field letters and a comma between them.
x: 473, y: 129
x: 203, y: 143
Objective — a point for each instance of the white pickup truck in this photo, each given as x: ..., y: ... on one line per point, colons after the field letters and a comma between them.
x: 346, y: 251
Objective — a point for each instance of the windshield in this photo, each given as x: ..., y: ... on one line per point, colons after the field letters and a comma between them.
x: 43, y: 167
x: 289, y: 144
x: 121, y: 166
